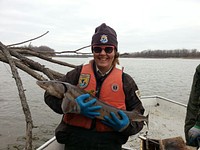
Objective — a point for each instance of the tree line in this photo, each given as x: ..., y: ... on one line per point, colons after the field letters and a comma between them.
x: 177, y: 53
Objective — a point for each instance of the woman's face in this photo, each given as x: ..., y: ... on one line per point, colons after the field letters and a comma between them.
x: 103, y: 56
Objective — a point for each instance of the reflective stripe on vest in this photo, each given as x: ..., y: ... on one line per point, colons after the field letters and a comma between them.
x: 111, y: 93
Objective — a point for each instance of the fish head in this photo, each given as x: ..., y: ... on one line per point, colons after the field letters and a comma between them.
x: 43, y: 84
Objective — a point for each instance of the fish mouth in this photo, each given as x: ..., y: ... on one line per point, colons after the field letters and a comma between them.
x: 41, y: 84
x: 38, y: 83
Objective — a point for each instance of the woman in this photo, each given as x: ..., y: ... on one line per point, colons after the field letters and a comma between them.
x: 111, y: 85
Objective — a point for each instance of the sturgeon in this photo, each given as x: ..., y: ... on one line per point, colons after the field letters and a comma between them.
x: 68, y: 93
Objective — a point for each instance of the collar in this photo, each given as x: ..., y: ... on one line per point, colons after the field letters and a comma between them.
x: 103, y: 74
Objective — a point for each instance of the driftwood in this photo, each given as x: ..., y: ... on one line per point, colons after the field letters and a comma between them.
x: 17, y: 58
x: 28, y: 118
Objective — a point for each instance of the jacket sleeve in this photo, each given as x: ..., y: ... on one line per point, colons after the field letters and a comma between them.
x: 193, y: 106
x: 132, y: 103
x: 197, y: 91
x: 71, y: 77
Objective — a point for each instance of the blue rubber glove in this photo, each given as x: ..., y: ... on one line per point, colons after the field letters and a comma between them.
x: 194, y: 134
x: 116, y: 123
x: 86, y: 108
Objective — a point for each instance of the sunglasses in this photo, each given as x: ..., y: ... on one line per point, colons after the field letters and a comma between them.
x: 107, y: 49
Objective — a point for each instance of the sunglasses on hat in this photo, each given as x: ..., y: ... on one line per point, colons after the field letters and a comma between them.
x: 107, y: 49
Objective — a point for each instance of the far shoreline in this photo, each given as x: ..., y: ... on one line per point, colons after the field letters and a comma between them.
x: 87, y: 56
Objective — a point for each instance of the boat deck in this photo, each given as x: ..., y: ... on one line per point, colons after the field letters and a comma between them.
x: 166, y: 120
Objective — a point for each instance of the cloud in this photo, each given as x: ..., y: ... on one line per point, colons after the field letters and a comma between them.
x: 140, y: 24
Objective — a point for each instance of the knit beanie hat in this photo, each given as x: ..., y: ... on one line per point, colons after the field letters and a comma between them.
x: 104, y: 35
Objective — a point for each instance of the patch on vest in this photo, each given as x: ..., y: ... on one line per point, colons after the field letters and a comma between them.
x: 84, y: 80
x: 115, y: 87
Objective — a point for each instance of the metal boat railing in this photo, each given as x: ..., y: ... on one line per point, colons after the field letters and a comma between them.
x: 163, y: 98
x: 47, y: 143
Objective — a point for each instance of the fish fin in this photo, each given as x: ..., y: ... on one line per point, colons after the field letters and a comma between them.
x: 69, y: 104
x: 145, y: 120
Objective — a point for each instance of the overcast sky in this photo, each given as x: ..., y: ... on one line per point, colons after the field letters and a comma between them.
x: 140, y: 24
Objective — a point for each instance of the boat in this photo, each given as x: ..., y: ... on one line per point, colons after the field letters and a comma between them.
x: 166, y: 122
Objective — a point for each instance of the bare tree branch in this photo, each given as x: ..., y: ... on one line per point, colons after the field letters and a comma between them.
x: 28, y: 118
x: 37, y: 66
x: 23, y: 67
x: 42, y: 56
x: 28, y: 40
x: 75, y: 51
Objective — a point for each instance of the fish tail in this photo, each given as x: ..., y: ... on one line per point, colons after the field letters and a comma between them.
x: 144, y: 119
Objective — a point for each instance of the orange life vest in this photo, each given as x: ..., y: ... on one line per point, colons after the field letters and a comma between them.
x: 111, y: 93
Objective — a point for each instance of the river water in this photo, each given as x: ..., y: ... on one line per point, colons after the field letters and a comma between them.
x: 171, y: 78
